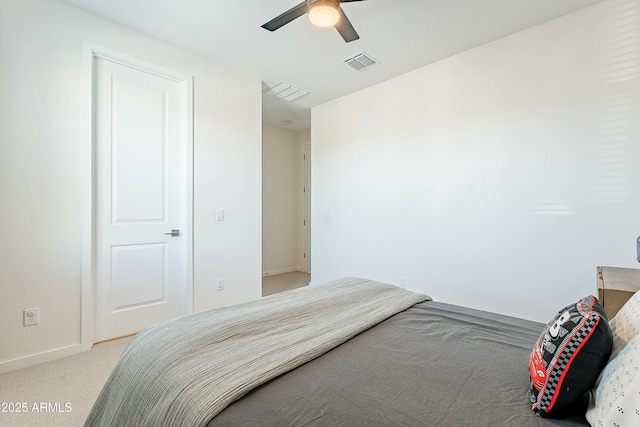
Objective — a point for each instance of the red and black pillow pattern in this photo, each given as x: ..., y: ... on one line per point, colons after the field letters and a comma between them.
x: 568, y: 357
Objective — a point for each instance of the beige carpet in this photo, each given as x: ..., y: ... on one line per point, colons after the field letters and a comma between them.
x: 284, y: 282
x: 58, y: 393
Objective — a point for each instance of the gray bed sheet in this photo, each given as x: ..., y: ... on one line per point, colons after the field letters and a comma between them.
x: 434, y: 364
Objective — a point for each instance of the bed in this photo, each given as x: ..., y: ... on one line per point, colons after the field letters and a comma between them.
x: 412, y: 362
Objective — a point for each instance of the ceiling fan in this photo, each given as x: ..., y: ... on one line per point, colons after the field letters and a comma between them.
x: 323, y: 13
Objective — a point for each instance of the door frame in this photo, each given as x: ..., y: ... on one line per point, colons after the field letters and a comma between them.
x: 92, y: 52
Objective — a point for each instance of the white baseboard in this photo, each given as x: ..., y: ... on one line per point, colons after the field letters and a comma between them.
x: 280, y: 271
x: 35, y: 359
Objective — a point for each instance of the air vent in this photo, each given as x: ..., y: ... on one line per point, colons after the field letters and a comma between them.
x: 360, y: 61
x: 285, y: 91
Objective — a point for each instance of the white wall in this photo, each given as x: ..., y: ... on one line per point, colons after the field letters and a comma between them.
x: 498, y: 178
x: 282, y: 200
x: 41, y: 106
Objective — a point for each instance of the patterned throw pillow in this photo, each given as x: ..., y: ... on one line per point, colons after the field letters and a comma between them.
x: 617, y: 397
x: 626, y: 324
x: 568, y: 357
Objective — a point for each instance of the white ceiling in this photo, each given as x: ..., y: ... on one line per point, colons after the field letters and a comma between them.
x: 401, y: 35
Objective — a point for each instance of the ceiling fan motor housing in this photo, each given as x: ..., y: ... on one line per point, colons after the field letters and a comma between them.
x: 310, y: 2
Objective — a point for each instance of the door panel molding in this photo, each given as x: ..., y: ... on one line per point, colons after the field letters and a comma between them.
x: 153, y: 289
x: 92, y: 53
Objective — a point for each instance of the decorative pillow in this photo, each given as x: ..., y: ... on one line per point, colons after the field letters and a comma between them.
x: 625, y: 325
x: 617, y: 397
x: 568, y: 357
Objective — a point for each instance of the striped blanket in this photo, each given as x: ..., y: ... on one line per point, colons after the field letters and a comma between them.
x: 184, y: 371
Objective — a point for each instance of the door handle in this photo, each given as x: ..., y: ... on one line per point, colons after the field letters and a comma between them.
x: 174, y: 233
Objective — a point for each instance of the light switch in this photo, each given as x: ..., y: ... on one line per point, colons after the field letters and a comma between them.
x: 220, y: 215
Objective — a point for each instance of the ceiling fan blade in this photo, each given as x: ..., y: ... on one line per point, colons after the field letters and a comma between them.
x: 345, y: 28
x: 288, y: 16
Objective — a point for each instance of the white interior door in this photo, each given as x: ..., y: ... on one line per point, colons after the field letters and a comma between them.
x: 141, y: 140
x: 307, y: 206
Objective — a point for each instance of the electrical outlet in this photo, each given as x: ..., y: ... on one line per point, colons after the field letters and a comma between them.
x: 403, y: 283
x: 30, y: 316
x: 220, y: 285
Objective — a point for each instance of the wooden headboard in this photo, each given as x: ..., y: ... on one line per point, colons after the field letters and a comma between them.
x: 615, y: 286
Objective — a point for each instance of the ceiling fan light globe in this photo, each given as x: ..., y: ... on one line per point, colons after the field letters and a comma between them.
x: 324, y: 13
